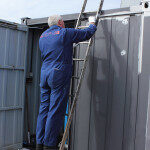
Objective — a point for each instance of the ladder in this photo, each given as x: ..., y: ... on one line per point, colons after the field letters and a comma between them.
x: 65, y: 135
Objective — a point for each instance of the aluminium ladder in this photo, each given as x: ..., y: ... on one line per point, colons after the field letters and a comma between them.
x: 82, y: 70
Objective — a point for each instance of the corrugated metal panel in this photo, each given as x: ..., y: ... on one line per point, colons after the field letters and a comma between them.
x: 117, y: 78
x: 119, y: 117
x: 132, y: 84
x: 128, y: 3
x: 100, y: 80
x: 103, y: 112
x: 12, y: 65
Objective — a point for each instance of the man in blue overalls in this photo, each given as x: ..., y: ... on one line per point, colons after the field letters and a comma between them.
x: 56, y: 45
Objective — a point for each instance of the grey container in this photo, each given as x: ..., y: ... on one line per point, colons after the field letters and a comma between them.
x: 13, y: 43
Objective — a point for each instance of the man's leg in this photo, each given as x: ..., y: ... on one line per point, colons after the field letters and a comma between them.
x: 58, y: 102
x: 43, y: 112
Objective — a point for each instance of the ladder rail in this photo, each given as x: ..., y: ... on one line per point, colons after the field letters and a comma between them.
x: 81, y: 76
x: 80, y: 15
x: 75, y: 45
x: 99, y: 12
x: 74, y: 101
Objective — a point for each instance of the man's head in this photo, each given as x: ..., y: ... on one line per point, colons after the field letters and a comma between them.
x: 56, y: 20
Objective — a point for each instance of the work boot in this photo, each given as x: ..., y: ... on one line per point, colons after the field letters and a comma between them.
x: 50, y: 148
x: 39, y: 146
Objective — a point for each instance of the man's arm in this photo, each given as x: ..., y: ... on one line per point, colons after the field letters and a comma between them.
x: 79, y: 35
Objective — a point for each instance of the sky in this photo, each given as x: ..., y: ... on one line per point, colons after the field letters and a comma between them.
x: 13, y: 10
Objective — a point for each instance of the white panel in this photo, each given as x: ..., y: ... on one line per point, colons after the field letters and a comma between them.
x: 127, y: 3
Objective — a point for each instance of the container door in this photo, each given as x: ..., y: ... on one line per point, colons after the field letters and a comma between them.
x: 13, y: 42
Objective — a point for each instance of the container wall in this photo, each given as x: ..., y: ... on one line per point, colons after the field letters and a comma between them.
x: 105, y: 116
x: 12, y: 64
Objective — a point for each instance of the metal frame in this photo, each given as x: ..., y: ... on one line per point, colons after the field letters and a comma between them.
x: 25, y: 75
x: 121, y: 14
x: 71, y: 17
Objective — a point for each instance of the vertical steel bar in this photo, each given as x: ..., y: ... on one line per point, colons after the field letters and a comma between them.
x: 25, y: 73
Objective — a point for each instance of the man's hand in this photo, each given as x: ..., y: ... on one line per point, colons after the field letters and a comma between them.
x: 92, y: 20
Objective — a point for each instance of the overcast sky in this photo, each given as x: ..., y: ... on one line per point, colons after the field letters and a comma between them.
x: 13, y: 10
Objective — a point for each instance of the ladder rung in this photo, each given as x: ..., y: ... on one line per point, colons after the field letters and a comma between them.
x: 84, y: 42
x: 75, y: 77
x: 82, y: 27
x: 76, y: 45
x: 81, y: 43
x: 76, y: 59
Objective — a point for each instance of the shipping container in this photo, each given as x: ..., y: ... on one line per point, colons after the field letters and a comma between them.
x: 112, y: 111
x: 13, y: 42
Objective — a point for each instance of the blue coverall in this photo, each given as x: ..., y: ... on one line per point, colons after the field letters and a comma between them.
x: 56, y: 45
